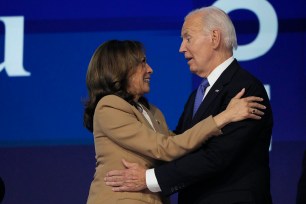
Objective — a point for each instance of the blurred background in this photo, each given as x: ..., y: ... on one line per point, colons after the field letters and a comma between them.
x: 47, y: 156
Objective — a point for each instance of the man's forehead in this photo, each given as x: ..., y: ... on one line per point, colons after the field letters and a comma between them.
x: 184, y: 31
x: 190, y: 27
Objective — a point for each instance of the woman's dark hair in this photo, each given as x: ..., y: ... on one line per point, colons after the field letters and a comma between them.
x: 108, y: 72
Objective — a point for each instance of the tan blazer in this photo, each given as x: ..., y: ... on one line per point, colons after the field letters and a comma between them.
x: 122, y: 132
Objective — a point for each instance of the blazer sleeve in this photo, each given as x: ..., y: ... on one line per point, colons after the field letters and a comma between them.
x: 116, y: 118
x: 219, y: 152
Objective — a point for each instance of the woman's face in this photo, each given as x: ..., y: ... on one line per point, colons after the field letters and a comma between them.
x: 139, y: 82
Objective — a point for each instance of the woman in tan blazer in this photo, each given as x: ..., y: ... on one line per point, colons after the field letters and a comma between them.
x: 126, y: 126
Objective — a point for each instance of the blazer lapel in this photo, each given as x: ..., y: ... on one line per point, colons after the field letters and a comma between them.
x: 142, y: 118
x: 154, y: 122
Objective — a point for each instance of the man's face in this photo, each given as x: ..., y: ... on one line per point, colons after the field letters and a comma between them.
x: 196, y: 46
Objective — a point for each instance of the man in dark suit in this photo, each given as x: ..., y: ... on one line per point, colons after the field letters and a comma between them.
x: 232, y: 168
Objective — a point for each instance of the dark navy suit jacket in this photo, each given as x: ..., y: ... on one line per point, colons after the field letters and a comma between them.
x: 227, y: 169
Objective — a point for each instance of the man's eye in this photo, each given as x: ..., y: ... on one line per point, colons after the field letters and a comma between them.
x: 188, y: 39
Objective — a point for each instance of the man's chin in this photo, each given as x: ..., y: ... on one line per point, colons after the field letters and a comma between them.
x: 193, y: 70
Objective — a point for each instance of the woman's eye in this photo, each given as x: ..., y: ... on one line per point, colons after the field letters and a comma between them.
x: 144, y: 61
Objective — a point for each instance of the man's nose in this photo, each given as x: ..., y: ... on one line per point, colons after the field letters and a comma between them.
x: 182, y: 47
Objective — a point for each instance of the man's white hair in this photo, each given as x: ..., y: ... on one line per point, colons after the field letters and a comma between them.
x: 215, y: 18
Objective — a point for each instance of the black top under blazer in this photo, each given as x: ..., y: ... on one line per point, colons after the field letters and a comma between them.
x: 231, y: 168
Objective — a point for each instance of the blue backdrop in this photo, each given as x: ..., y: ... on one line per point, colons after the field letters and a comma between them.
x: 45, y: 47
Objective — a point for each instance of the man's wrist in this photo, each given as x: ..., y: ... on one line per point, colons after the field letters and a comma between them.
x: 151, y: 181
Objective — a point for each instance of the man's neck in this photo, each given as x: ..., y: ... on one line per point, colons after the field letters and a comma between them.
x: 219, y: 59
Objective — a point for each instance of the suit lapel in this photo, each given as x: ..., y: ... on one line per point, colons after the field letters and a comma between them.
x: 188, y: 112
x: 209, y: 98
x: 215, y: 90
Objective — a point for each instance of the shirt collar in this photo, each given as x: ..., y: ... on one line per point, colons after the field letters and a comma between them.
x: 215, y: 74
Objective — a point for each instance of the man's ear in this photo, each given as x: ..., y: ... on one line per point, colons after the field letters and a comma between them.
x: 216, y: 38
